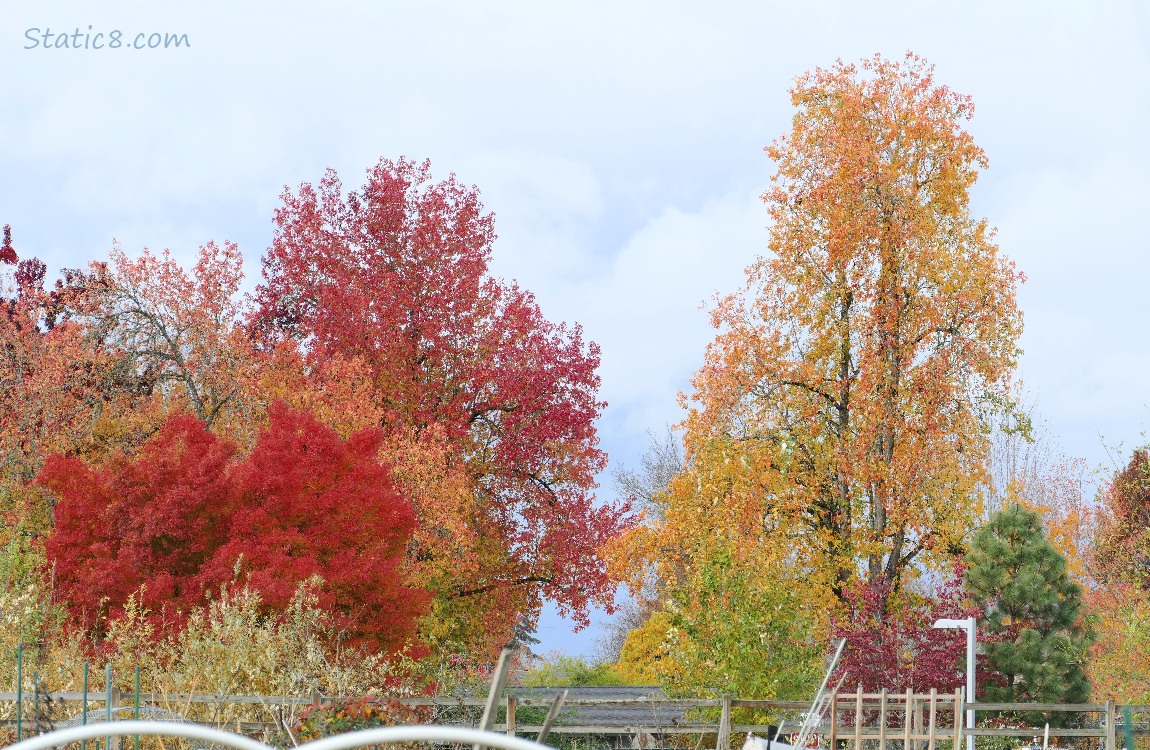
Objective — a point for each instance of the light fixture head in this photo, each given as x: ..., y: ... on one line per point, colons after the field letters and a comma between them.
x: 946, y: 622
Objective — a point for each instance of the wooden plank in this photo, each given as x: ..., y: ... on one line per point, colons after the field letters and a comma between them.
x: 1111, y: 720
x: 1032, y: 731
x: 959, y: 718
x: 522, y: 700
x: 498, y: 681
x: 930, y: 743
x: 882, y: 722
x: 510, y: 715
x: 858, y: 718
x: 790, y: 705
x: 723, y: 741
x: 1065, y: 707
x: 907, y: 718
x: 552, y: 714
x: 834, y: 733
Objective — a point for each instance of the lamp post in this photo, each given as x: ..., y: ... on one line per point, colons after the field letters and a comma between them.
x: 969, y: 626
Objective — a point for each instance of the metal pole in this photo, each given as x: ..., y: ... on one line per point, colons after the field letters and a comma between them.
x: 971, y: 624
x: 19, y: 692
x: 84, y: 704
x: 108, y: 702
x: 136, y: 713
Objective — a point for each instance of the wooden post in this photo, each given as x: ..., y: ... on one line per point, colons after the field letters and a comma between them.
x: 882, y: 720
x: 723, y: 742
x: 498, y: 679
x: 834, y: 719
x: 858, y: 717
x: 1111, y: 717
x: 511, y: 715
x: 933, y: 718
x: 958, y: 714
x: 552, y: 714
x: 908, y: 719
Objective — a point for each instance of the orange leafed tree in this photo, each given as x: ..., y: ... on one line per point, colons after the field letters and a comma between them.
x: 837, y: 423
x: 1118, y: 567
x: 177, y: 331
x: 55, y: 384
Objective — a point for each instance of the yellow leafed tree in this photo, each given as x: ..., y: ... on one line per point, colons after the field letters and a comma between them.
x: 837, y: 428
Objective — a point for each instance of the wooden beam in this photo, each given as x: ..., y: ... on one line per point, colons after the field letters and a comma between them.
x: 552, y: 714
x: 498, y: 681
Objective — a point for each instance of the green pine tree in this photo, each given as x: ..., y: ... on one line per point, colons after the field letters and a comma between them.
x: 1032, y: 612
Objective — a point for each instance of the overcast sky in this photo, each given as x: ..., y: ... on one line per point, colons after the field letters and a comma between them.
x: 619, y: 145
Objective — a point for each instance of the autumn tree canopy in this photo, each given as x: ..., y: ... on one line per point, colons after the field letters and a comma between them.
x: 1121, y: 549
x: 1118, y: 575
x: 834, y: 432
x: 896, y: 647
x: 185, y: 516
x: 376, y: 315
x: 53, y: 384
x: 394, y: 277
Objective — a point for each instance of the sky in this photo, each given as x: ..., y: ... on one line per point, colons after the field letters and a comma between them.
x: 619, y: 145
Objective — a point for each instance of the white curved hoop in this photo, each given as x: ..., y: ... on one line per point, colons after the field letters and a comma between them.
x: 152, y: 728
x: 378, y: 736
x: 423, y: 733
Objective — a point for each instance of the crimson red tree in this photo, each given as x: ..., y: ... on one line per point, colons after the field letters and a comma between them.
x: 395, y: 275
x: 891, y: 643
x: 182, y: 517
x: 150, y: 521
x: 309, y: 503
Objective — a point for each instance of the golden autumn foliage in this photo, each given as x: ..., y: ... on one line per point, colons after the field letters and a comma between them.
x: 1119, y: 592
x: 1119, y: 667
x: 647, y: 656
x: 836, y: 428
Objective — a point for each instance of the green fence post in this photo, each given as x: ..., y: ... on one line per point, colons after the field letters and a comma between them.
x: 19, y: 692
x: 136, y: 714
x: 108, y: 701
x: 84, y: 706
x: 1128, y: 728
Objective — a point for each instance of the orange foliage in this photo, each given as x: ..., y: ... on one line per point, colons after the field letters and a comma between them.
x: 836, y: 422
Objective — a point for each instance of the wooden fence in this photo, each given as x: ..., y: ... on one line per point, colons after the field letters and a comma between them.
x: 859, y: 721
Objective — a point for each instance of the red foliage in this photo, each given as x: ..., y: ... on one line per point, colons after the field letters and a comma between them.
x: 53, y: 384
x: 179, y: 519
x: 7, y: 252
x: 1122, y: 547
x: 313, y: 504
x: 149, y: 521
x: 395, y: 275
x: 891, y: 644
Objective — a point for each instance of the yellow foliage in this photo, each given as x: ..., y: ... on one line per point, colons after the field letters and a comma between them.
x: 647, y: 657
x: 835, y: 428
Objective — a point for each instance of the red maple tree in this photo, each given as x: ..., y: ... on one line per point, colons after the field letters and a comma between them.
x: 310, y: 503
x: 183, y: 517
x: 395, y: 276
x: 150, y: 521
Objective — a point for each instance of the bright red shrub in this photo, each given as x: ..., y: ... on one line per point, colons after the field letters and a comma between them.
x: 184, y: 516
